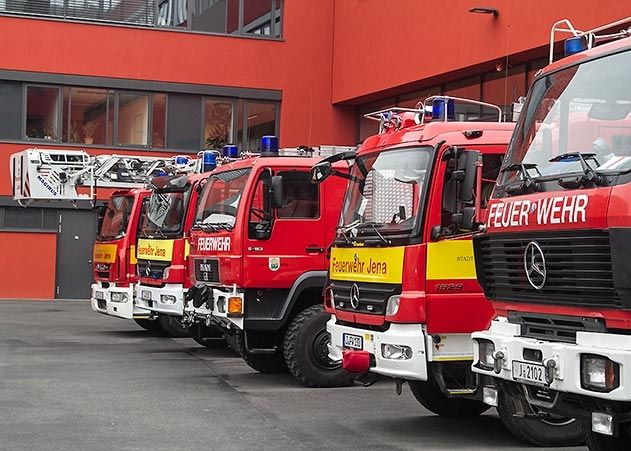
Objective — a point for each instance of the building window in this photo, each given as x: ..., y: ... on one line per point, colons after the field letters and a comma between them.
x: 261, y: 121
x: 85, y: 115
x: 30, y: 219
x: 172, y: 13
x: 133, y: 119
x: 158, y: 120
x: 218, y: 123
x: 42, y: 112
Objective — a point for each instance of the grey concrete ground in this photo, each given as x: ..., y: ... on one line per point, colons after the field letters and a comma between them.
x: 73, y: 379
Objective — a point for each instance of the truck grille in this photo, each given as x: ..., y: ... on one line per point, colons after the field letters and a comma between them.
x: 151, y: 268
x: 579, y: 270
x: 554, y: 327
x: 372, y: 296
x: 207, y: 270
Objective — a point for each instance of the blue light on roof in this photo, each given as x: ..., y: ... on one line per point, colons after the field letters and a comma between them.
x: 575, y: 45
x: 269, y: 146
x: 209, y: 161
x: 438, y: 109
x: 230, y: 151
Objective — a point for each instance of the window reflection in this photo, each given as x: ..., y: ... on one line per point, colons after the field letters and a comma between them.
x: 133, y: 119
x: 261, y: 119
x: 42, y: 119
x: 172, y: 13
x: 158, y: 128
x: 85, y: 117
x: 217, y: 123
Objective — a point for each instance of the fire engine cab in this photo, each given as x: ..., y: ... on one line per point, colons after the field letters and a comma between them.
x: 259, y: 258
x: 554, y: 255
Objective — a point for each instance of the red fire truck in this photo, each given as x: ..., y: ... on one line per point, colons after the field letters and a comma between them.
x: 403, y: 295
x: 114, y: 258
x: 163, y: 249
x: 554, y: 257
x: 258, y: 256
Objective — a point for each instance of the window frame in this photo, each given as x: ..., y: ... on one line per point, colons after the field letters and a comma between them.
x: 234, y: 124
x: 283, y: 171
x: 58, y: 113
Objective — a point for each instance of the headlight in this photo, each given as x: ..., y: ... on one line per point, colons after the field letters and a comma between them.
x: 598, y: 373
x: 486, y: 349
x: 167, y: 299
x: 396, y: 352
x: 119, y: 297
x: 392, y: 307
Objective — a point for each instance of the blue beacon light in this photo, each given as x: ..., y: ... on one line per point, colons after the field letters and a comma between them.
x: 438, y: 109
x: 230, y: 151
x: 181, y: 160
x: 575, y: 45
x: 269, y: 146
x: 209, y: 161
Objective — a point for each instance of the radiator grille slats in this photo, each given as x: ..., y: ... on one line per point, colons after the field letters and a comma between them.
x: 372, y: 296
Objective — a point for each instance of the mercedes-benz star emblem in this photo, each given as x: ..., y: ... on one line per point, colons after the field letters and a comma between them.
x: 535, y: 265
x: 354, y: 296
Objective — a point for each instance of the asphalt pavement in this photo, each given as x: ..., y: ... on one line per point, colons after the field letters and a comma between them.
x: 73, y: 379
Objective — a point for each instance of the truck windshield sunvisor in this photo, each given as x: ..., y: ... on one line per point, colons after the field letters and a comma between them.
x: 385, y: 194
x: 220, y: 199
x: 576, y: 122
x: 116, y: 218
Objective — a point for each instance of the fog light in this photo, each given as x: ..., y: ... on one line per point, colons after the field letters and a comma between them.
x: 392, y: 307
x: 396, y: 352
x: 118, y: 297
x: 598, y: 373
x: 167, y: 299
x: 235, y: 305
x: 602, y: 423
x: 486, y: 349
x: 489, y: 396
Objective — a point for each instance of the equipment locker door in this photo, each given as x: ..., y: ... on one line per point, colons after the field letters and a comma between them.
x: 75, y: 239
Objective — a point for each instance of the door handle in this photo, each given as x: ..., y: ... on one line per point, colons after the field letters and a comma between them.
x: 314, y: 250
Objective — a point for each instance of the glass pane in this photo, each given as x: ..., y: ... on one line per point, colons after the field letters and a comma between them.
x: 133, y: 119
x: 239, y: 138
x: 65, y: 114
x: 41, y: 112
x: 158, y: 137
x: 257, y: 17
x: 209, y: 15
x: 23, y: 218
x: 261, y: 122
x: 173, y: 13
x: 110, y: 118
x: 300, y: 197
x: 278, y: 30
x: 232, y: 17
x: 503, y: 89
x: 217, y: 123
x: 88, y: 112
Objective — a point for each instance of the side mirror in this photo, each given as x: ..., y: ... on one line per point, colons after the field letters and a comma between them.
x: 466, y: 163
x: 276, y: 190
x: 321, y: 171
x: 468, y: 218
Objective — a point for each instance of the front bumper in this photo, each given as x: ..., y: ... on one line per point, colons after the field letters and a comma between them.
x: 565, y: 376
x: 101, y: 301
x: 167, y: 300
x: 411, y: 335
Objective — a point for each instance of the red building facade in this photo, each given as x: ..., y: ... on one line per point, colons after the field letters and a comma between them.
x: 176, y: 76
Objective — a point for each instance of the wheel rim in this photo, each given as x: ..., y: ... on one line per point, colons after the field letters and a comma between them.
x: 320, y: 352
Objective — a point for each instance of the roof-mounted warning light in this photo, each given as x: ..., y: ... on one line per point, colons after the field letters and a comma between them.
x: 584, y: 40
x: 443, y: 109
x: 230, y: 151
x: 209, y: 160
x: 269, y: 146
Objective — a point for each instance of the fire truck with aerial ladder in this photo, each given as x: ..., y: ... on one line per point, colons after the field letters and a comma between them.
x: 74, y: 176
x: 554, y: 255
x: 258, y: 259
x: 402, y: 293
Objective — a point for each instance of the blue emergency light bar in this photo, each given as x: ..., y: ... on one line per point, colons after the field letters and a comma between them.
x: 209, y: 161
x: 230, y: 151
x: 441, y: 105
x: 269, y: 146
x: 575, y: 45
x: 181, y: 160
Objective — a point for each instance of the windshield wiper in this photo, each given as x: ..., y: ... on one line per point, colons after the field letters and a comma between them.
x: 589, y: 176
x: 345, y: 229
x: 526, y: 184
x: 374, y: 227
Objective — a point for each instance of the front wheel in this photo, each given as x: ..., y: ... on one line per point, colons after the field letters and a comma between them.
x: 429, y: 394
x: 208, y: 336
x: 548, y: 430
x: 151, y: 325
x: 173, y: 326
x: 599, y: 442
x: 307, y: 354
x: 266, y: 363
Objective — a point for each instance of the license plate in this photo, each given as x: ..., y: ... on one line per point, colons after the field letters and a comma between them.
x: 99, y: 295
x: 352, y: 341
x: 529, y: 372
x: 146, y: 295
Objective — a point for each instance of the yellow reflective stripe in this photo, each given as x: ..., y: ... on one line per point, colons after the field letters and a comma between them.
x: 366, y: 264
x: 450, y: 259
x: 187, y: 249
x: 132, y: 255
x: 451, y: 358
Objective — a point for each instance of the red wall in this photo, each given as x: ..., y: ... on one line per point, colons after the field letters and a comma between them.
x: 27, y: 265
x: 384, y: 45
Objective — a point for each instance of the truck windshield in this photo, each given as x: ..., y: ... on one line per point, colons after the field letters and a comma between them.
x: 575, y: 117
x: 114, y: 222
x: 218, y: 206
x: 383, y: 197
x: 165, y: 213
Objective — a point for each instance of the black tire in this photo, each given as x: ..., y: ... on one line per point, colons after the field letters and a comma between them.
x: 306, y: 351
x: 234, y: 342
x: 266, y: 363
x: 173, y: 326
x: 599, y: 442
x: 209, y: 337
x: 540, y: 432
x: 429, y: 394
x: 151, y: 325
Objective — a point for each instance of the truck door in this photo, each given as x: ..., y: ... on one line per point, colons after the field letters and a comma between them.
x: 284, y: 242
